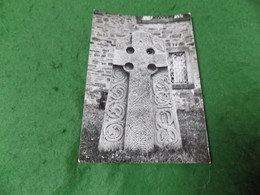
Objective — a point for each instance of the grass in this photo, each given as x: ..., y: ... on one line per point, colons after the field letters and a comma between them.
x: 193, y: 133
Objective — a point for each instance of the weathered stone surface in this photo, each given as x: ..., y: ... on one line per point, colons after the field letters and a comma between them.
x: 151, y: 117
x: 112, y: 133
x: 167, y: 131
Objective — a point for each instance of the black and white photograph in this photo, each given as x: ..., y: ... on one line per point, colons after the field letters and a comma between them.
x: 143, y: 98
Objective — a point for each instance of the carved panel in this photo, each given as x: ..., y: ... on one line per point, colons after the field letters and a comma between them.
x: 167, y: 133
x: 161, y: 89
x: 140, y: 122
x: 113, y: 127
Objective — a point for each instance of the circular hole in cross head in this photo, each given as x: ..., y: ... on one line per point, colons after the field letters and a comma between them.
x: 150, y: 51
x: 129, y: 66
x: 130, y: 50
x: 151, y: 67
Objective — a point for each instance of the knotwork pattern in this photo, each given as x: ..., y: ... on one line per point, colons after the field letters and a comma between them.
x: 161, y: 88
x: 166, y: 130
x: 167, y: 133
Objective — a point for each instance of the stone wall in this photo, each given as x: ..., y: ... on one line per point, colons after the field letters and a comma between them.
x: 110, y: 30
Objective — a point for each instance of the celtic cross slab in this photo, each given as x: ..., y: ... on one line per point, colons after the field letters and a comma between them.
x: 139, y: 113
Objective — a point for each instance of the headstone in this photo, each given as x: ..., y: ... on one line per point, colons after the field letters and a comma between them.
x: 139, y: 112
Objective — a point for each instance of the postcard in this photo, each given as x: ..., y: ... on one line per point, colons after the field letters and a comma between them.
x: 143, y: 99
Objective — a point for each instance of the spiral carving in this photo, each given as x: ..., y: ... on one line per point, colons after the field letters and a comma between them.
x: 118, y: 76
x: 113, y: 132
x: 118, y: 92
x: 116, y: 110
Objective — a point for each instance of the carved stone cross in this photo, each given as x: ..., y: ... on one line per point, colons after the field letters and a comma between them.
x: 139, y: 113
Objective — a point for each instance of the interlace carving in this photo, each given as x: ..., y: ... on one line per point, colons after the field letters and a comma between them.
x: 167, y: 125
x: 161, y: 88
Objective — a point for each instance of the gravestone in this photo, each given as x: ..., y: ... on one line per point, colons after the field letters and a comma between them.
x: 139, y: 112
